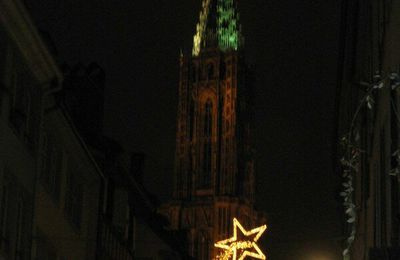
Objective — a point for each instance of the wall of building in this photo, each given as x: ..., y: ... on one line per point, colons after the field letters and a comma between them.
x: 49, y: 183
x: 66, y: 191
x: 67, y: 194
x: 370, y: 53
x: 19, y: 127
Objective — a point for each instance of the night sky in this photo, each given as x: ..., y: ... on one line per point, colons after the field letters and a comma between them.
x: 293, y: 46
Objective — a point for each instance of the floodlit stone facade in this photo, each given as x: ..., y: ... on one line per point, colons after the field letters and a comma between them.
x: 214, y: 168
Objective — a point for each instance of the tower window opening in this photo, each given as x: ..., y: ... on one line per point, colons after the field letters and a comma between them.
x: 191, y: 132
x: 208, y: 120
x: 210, y: 71
x: 206, y: 176
x: 222, y: 73
x: 194, y: 73
x: 203, y: 246
x: 205, y: 179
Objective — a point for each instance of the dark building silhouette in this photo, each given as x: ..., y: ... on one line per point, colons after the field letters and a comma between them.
x: 368, y: 127
x: 66, y: 191
x: 129, y: 226
x: 214, y: 168
x: 47, y: 208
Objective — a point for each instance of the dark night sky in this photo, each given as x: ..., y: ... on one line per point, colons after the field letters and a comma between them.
x: 293, y: 46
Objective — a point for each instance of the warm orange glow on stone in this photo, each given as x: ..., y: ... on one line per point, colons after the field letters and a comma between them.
x: 232, y: 245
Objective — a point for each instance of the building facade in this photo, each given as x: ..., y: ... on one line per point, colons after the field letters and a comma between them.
x: 214, y: 172
x: 66, y: 191
x: 129, y: 227
x: 26, y: 71
x: 368, y: 127
x: 50, y: 183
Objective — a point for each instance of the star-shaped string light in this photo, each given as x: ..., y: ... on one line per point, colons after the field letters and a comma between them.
x: 233, y: 245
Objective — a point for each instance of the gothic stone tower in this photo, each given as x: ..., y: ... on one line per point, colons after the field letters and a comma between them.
x: 214, y: 176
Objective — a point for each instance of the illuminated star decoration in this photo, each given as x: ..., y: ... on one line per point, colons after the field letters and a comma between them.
x: 232, y: 245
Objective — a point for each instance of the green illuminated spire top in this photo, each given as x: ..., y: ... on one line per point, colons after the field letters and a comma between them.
x: 218, y: 26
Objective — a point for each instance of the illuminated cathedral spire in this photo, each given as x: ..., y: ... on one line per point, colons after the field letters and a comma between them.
x: 214, y: 159
x: 218, y: 26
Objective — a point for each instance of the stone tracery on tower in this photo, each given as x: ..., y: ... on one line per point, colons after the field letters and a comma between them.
x: 214, y: 167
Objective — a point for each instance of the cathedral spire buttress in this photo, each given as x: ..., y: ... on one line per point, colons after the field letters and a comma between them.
x: 218, y: 26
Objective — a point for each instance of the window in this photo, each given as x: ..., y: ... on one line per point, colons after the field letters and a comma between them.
x: 19, y: 232
x: 51, y: 167
x: 191, y: 120
x: 223, y: 222
x: 208, y: 119
x: 222, y: 73
x: 194, y: 73
x: 3, y: 213
x: 203, y: 246
x: 3, y: 61
x: 131, y: 229
x: 205, y: 178
x: 210, y: 71
x: 205, y: 181
x: 18, y: 110
x: 22, y: 115
x: 73, y: 199
x: 3, y: 53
